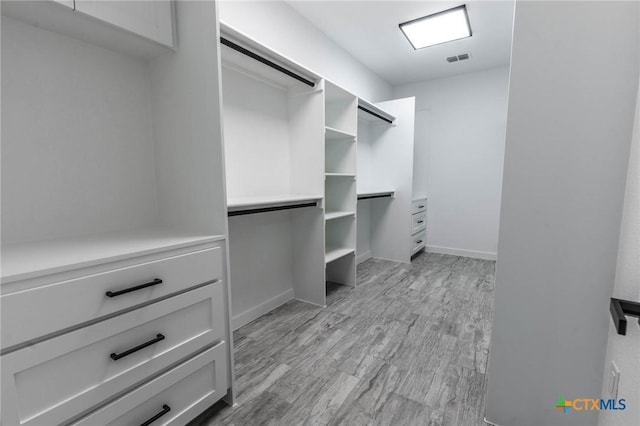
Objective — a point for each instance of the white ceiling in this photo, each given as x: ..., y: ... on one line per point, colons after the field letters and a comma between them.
x: 369, y: 31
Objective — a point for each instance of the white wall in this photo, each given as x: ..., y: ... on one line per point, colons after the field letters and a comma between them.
x: 281, y: 28
x: 624, y: 350
x: 462, y: 148
x: 574, y: 78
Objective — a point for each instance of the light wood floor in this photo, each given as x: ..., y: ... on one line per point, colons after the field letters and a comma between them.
x: 408, y: 346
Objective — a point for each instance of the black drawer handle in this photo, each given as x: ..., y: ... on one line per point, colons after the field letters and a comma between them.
x: 115, y: 356
x: 134, y: 288
x: 165, y: 410
x: 419, y: 242
x: 421, y: 207
x: 421, y: 221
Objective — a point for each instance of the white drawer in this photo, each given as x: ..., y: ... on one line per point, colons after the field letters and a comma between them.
x: 418, y: 222
x: 174, y: 398
x: 54, y: 380
x: 419, y: 205
x: 418, y: 241
x: 35, y: 312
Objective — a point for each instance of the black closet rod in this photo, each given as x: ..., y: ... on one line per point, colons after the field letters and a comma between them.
x: 375, y: 114
x: 368, y: 197
x: 265, y: 61
x: 271, y: 209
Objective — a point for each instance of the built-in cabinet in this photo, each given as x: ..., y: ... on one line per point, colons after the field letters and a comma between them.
x: 149, y: 19
x: 164, y: 181
x: 418, y: 225
x: 340, y: 119
x: 385, y: 174
x: 114, y: 291
x: 304, y: 158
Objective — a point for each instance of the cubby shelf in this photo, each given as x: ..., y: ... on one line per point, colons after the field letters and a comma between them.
x: 337, y: 214
x: 335, y: 134
x: 332, y: 254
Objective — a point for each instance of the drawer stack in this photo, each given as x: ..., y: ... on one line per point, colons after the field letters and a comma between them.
x: 418, y: 225
x: 122, y: 346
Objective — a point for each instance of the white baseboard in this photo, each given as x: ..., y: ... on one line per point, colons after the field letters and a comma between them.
x: 257, y: 311
x: 464, y: 253
x: 362, y: 257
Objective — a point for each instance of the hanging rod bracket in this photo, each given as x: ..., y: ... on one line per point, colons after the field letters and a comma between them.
x: 619, y: 308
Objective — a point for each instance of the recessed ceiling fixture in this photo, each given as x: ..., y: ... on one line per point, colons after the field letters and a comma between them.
x: 441, y: 27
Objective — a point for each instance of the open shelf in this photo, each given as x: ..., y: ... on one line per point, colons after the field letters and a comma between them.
x: 337, y: 214
x: 382, y: 193
x: 370, y: 112
x: 266, y: 201
x: 34, y: 259
x: 352, y: 175
x: 332, y: 134
x: 241, y: 53
x: 336, y: 253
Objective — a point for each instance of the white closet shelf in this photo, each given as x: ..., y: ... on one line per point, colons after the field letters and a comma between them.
x: 379, y: 193
x: 332, y: 254
x: 33, y: 259
x: 334, y: 134
x: 337, y: 214
x: 340, y: 175
x: 370, y: 112
x: 266, y: 201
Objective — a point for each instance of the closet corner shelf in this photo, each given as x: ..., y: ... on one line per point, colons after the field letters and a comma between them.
x: 337, y: 214
x: 35, y: 259
x: 336, y: 253
x: 264, y: 203
x: 335, y: 134
x: 365, y: 195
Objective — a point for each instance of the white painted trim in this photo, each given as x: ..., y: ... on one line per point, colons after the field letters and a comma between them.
x: 257, y: 311
x: 362, y: 257
x: 490, y: 422
x: 461, y: 252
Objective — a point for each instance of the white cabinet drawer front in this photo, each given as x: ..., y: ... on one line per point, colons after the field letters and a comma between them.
x: 149, y: 19
x: 419, y: 206
x: 418, y: 241
x: 418, y: 222
x: 36, y: 312
x: 174, y: 398
x: 56, y: 379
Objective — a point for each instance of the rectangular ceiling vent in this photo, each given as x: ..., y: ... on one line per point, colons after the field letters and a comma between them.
x: 462, y: 57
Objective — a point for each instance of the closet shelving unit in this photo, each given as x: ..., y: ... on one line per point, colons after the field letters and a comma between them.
x: 384, y: 151
x: 112, y: 172
x: 273, y: 138
x: 340, y: 113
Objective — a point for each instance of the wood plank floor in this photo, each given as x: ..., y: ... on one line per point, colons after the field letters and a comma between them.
x: 407, y: 346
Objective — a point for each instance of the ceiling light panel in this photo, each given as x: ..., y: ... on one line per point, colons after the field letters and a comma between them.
x: 441, y: 27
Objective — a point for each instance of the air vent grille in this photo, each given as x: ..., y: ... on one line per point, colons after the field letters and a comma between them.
x: 461, y: 57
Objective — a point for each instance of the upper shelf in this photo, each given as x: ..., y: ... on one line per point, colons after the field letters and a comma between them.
x: 260, y: 204
x: 35, y: 259
x: 57, y: 17
x: 369, y: 112
x: 241, y: 53
x: 381, y: 193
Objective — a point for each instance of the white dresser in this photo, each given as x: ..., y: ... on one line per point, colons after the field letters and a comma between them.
x: 418, y: 225
x: 117, y: 338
